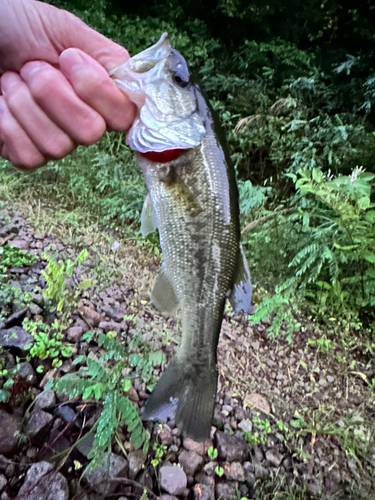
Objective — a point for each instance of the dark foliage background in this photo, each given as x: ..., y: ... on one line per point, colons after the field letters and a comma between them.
x: 293, y: 84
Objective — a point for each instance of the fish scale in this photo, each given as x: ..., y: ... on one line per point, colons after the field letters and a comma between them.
x: 194, y: 205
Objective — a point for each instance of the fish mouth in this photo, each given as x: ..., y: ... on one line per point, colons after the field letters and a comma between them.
x: 148, y: 59
x: 157, y: 81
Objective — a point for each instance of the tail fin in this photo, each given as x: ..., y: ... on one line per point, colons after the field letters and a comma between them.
x: 185, y: 392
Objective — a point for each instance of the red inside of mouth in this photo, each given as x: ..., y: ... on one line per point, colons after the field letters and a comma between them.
x: 163, y: 156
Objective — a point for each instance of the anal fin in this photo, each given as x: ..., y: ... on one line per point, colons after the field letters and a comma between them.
x: 163, y: 296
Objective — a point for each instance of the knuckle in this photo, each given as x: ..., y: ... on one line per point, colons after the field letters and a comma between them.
x: 57, y: 148
x: 91, y: 129
x: 42, y: 83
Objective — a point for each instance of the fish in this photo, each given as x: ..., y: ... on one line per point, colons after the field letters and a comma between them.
x: 192, y: 200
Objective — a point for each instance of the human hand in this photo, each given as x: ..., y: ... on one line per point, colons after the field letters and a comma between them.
x: 55, y: 89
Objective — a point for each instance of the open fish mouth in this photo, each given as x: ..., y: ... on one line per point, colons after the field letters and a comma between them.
x: 157, y: 81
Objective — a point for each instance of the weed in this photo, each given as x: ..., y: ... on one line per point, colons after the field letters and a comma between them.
x: 102, y: 379
x: 159, y: 451
x: 14, y: 257
x: 323, y: 344
x: 219, y: 471
x: 264, y: 428
x: 63, y: 294
x: 144, y: 360
x: 212, y: 453
x: 48, y: 342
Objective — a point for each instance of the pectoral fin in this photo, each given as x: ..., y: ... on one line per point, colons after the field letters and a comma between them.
x: 148, y: 222
x: 163, y: 296
x: 240, y: 295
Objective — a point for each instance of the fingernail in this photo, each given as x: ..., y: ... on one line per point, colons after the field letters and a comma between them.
x: 30, y: 68
x: 8, y: 80
x: 72, y: 58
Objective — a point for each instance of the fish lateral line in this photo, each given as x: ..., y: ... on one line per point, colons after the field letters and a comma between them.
x: 163, y: 156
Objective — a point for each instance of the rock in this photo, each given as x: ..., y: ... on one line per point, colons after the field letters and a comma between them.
x: 245, y: 425
x: 314, y: 486
x: 21, y: 244
x: 136, y: 461
x: 3, y: 482
x: 260, y: 472
x: 38, y: 425
x: 8, y: 229
x: 16, y: 339
x: 227, y: 491
x: 231, y: 448
x: 203, y: 492
x: 91, y: 316
x: 145, y: 479
x: 9, y: 426
x: 235, y: 471
x: 274, y: 456
x: 34, y: 308
x: 45, y: 400
x: 43, y: 483
x: 112, y: 466
x: 74, y: 333
x: 256, y: 401
x: 27, y: 373
x: 165, y: 435
x: 168, y: 497
x: 16, y: 318
x: 112, y: 326
x: 190, y: 461
x: 85, y: 445
x: 172, y: 479
x: 199, y: 447
x: 47, y: 377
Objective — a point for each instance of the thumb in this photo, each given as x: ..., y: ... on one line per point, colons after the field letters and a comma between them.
x: 65, y: 30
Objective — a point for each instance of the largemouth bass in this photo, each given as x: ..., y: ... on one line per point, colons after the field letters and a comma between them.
x: 193, y: 201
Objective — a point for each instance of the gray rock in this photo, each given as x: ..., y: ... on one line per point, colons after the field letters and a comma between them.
x: 235, y: 472
x: 260, y: 472
x: 8, y: 229
x: 227, y: 491
x: 199, y: 447
x: 3, y: 482
x: 190, y: 462
x: 43, y: 483
x: 168, y: 497
x: 45, y: 400
x: 74, y: 333
x: 314, y: 486
x: 165, y: 435
x: 27, y: 373
x: 231, y: 448
x: 15, y: 339
x: 21, y: 244
x: 245, y: 425
x: 9, y: 426
x: 85, y: 445
x: 112, y: 326
x: 136, y: 461
x: 38, y: 424
x: 203, y: 492
x: 112, y: 466
x: 172, y: 479
x: 34, y: 308
x: 274, y: 456
x: 145, y: 479
x: 15, y: 318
